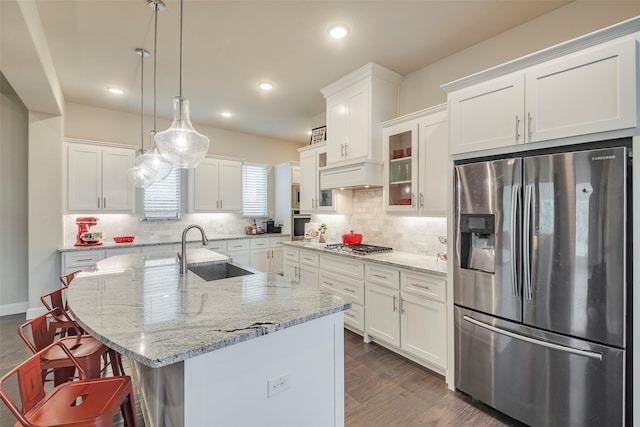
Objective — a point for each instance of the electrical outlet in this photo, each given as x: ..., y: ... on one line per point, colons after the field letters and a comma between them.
x: 277, y: 385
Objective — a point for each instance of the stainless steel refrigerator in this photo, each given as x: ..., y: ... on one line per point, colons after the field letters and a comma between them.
x: 541, y: 284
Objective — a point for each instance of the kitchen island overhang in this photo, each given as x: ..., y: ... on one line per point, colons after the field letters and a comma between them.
x: 205, y: 351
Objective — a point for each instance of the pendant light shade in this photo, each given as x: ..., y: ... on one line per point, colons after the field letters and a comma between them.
x: 158, y: 163
x: 141, y: 175
x: 181, y: 144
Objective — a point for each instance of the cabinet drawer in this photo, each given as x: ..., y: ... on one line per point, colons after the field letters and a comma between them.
x: 277, y: 242
x: 382, y: 275
x: 344, y: 266
x: 421, y: 284
x: 349, y: 289
x: 218, y: 246
x: 238, y: 245
x: 309, y: 258
x: 260, y: 243
x: 82, y: 259
x: 291, y: 255
x: 354, y: 317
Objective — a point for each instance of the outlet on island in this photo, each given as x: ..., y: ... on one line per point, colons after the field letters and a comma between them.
x: 277, y: 385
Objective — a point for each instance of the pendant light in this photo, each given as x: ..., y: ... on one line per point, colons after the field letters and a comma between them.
x: 141, y: 175
x: 181, y: 144
x: 154, y: 160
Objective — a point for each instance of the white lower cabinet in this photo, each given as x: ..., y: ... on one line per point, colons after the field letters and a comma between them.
x: 239, y: 251
x: 301, y: 266
x: 291, y: 264
x: 267, y: 254
x: 407, y: 310
x: 345, y: 277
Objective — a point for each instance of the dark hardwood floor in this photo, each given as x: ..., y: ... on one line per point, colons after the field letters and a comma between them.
x: 382, y: 389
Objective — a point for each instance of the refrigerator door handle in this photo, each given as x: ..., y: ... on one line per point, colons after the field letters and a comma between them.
x: 526, y: 247
x: 515, y: 191
x: 585, y: 353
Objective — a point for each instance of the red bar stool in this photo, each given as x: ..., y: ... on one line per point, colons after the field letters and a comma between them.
x: 86, y: 402
x: 57, y: 299
x: 67, y: 278
x: 87, y: 351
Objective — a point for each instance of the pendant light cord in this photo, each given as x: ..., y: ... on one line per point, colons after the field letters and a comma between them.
x: 155, y: 67
x: 141, y: 52
x: 181, y: 4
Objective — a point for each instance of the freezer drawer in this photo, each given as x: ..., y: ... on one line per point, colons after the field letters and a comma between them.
x: 537, y: 377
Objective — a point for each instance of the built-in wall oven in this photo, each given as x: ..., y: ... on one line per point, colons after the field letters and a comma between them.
x: 295, y: 196
x: 297, y: 225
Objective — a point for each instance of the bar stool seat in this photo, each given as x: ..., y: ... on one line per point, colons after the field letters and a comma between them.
x: 86, y: 402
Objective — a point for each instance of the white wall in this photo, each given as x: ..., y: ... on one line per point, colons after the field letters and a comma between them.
x: 13, y: 204
x: 421, y: 89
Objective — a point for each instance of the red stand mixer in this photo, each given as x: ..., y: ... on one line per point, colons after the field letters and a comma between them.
x: 84, y: 236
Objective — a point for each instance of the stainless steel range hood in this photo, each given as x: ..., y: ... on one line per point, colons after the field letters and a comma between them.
x: 365, y: 174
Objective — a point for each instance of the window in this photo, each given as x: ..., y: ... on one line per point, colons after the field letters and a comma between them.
x: 162, y: 198
x: 254, y: 190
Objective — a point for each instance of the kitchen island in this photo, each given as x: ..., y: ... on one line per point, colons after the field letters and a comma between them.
x: 248, y: 350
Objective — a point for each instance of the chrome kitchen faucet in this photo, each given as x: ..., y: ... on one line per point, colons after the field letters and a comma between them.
x: 182, y: 256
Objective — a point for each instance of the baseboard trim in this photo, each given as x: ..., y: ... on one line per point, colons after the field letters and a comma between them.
x: 15, y: 308
x: 33, y: 312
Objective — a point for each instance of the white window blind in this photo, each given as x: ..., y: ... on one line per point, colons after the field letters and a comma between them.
x: 162, y: 198
x: 254, y: 190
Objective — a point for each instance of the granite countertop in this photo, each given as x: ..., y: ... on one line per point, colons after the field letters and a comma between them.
x: 415, y: 262
x: 141, y: 307
x: 139, y: 243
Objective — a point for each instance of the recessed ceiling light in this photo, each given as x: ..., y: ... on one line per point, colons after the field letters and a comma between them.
x: 225, y: 114
x: 338, y: 31
x: 115, y: 90
x: 266, y: 86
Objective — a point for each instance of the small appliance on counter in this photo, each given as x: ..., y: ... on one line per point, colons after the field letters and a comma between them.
x: 84, y: 236
x: 271, y: 227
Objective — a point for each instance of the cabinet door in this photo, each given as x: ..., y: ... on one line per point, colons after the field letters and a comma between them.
x: 424, y: 329
x: 230, y: 185
x: 588, y: 92
x: 308, y: 181
x: 309, y: 276
x: 277, y: 260
x: 487, y: 115
x: 241, y: 257
x: 401, y: 167
x: 433, y: 156
x: 358, y: 121
x: 382, y: 317
x: 290, y: 271
x: 260, y: 259
x: 205, y: 186
x: 336, y: 128
x: 84, y: 177
x: 117, y: 189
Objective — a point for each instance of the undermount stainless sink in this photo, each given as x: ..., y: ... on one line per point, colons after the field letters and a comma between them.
x: 217, y: 271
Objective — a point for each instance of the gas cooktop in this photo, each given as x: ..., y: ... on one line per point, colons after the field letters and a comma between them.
x: 357, y: 249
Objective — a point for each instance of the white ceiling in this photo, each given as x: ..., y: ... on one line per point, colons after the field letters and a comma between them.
x: 231, y: 46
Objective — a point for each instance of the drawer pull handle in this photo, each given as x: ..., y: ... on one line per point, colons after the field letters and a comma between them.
x: 379, y: 276
x: 346, y: 313
x: 351, y: 291
x: 85, y: 259
x: 328, y: 283
x: 421, y: 286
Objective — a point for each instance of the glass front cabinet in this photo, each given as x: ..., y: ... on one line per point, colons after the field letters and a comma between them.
x: 401, y: 166
x: 416, y: 162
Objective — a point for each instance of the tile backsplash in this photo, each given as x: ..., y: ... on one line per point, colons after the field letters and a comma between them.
x: 402, y: 233
x: 156, y: 231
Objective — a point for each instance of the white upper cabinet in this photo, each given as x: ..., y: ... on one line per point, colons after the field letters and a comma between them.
x: 416, y: 151
x: 356, y: 105
x: 588, y: 92
x: 216, y: 186
x: 487, y: 115
x: 313, y: 199
x: 562, y: 92
x: 97, y: 178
